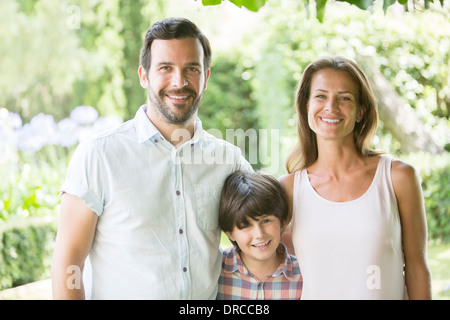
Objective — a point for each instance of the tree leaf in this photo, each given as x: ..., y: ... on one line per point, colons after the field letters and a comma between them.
x: 211, y: 2
x: 252, y: 5
x: 320, y: 9
x: 362, y: 4
x: 387, y: 4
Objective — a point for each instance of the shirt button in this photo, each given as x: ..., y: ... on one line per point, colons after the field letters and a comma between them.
x: 180, y: 231
x: 178, y: 192
x: 184, y: 269
x: 156, y: 140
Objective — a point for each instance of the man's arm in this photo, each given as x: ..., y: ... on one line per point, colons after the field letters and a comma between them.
x: 76, y: 229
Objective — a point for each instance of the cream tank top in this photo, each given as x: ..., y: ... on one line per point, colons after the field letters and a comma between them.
x: 353, y: 249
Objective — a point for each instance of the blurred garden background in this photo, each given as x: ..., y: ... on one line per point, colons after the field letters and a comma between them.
x: 68, y: 69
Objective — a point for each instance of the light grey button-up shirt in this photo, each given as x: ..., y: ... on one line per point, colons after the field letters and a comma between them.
x: 157, y: 235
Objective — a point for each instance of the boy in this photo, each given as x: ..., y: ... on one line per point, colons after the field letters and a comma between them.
x: 253, y: 211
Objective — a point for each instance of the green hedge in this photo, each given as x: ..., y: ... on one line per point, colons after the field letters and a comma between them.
x: 26, y: 248
x: 434, y: 171
x: 436, y: 185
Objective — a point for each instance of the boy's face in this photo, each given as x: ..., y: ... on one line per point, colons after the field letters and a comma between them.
x: 259, y: 239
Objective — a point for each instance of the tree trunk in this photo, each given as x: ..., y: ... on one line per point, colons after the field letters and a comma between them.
x: 398, y: 118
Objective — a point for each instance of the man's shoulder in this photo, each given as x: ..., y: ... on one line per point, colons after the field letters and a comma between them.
x: 116, y: 133
x: 219, y: 141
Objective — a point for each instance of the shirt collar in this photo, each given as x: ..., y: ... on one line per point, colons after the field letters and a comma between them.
x: 146, y: 130
x: 234, y: 263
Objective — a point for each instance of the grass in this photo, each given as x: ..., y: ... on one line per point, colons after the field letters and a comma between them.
x: 439, y: 262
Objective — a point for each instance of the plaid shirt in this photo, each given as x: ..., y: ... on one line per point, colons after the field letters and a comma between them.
x: 237, y: 283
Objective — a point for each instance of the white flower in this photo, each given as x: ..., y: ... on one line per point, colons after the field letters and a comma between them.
x: 84, y: 115
x: 39, y: 132
x: 67, y: 132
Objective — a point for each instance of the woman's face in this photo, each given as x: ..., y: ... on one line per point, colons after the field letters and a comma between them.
x: 333, y: 106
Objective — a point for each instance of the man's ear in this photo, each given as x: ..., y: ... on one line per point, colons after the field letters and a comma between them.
x: 143, y: 77
x: 208, y: 72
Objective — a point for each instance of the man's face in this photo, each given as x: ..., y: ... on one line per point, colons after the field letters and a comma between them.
x: 176, y: 79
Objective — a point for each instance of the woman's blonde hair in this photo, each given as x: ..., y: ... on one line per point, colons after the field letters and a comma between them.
x: 306, y: 152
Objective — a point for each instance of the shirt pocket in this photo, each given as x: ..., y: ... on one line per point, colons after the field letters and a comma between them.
x: 208, y: 199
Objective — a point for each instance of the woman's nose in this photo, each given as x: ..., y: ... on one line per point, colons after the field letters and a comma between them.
x: 332, y: 104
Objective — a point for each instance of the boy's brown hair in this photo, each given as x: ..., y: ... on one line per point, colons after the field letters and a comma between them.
x: 250, y: 195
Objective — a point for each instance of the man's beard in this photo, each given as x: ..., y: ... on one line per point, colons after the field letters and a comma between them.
x: 158, y: 103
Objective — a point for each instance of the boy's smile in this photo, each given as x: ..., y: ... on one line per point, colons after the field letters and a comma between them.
x: 258, y: 241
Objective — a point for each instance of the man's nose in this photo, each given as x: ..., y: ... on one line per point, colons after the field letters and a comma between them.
x: 178, y: 79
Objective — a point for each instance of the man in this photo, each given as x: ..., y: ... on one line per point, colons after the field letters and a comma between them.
x: 142, y: 199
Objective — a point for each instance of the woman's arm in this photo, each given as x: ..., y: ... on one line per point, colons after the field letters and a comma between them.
x: 408, y: 192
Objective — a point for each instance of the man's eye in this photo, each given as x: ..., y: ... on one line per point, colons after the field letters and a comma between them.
x: 193, y: 69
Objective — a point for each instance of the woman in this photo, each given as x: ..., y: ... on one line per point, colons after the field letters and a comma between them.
x: 358, y: 228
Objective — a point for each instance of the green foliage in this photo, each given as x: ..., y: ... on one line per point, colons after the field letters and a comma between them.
x: 255, y: 5
x: 434, y: 172
x: 26, y: 248
x: 437, y: 201
x: 31, y: 187
x: 228, y: 102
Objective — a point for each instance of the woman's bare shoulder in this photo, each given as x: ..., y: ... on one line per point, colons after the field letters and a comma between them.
x: 287, y: 180
x: 402, y: 171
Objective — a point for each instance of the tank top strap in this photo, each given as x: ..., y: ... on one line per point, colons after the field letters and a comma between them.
x: 297, y: 181
x: 385, y: 179
x: 383, y: 176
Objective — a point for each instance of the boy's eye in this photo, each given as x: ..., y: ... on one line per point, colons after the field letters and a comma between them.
x: 244, y: 225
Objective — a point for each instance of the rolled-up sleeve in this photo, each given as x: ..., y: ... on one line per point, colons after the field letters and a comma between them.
x: 84, y: 177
